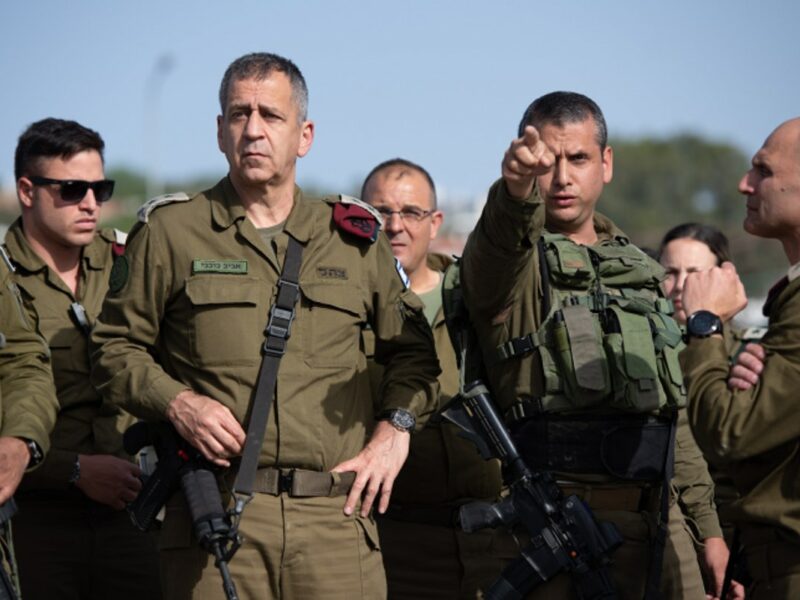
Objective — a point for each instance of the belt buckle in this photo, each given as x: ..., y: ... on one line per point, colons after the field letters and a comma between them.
x: 286, y: 482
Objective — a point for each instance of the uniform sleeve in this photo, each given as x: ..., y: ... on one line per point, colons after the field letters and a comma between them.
x: 500, y: 248
x: 403, y: 344
x: 123, y: 340
x: 732, y: 426
x: 693, y: 483
x: 29, y: 401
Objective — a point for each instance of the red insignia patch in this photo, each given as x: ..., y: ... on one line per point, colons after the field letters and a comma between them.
x: 356, y: 220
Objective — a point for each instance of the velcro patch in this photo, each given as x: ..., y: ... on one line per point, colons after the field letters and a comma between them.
x: 356, y: 220
x: 235, y: 267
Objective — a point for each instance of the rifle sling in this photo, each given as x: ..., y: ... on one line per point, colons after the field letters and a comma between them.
x: 277, y: 332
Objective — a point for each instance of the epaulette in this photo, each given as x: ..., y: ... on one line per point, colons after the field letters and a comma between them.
x: 357, y: 218
x: 7, y: 259
x: 143, y: 214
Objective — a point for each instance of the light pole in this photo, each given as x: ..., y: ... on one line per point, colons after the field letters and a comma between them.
x: 154, y: 186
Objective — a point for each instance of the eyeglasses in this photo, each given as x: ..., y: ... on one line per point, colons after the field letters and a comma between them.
x: 74, y: 190
x: 408, y: 215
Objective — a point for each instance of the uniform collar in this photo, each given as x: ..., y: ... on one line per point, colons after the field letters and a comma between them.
x: 606, y: 229
x: 20, y: 250
x: 227, y: 208
x: 26, y: 257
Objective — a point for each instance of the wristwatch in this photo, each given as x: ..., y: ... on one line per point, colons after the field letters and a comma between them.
x: 76, y: 471
x: 36, y: 453
x: 703, y: 324
x: 400, y: 419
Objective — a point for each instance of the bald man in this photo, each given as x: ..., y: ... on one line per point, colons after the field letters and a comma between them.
x: 754, y: 433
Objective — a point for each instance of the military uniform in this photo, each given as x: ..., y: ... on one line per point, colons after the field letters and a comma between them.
x: 191, y: 314
x: 425, y: 553
x: 27, y: 396
x: 754, y: 436
x: 67, y: 544
x: 503, y: 292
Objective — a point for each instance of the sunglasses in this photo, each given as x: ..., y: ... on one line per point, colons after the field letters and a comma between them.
x: 74, y: 190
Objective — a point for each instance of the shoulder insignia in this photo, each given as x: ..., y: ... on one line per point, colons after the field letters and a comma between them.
x: 7, y: 259
x: 345, y: 199
x: 120, y: 237
x: 357, y: 218
x: 145, y: 209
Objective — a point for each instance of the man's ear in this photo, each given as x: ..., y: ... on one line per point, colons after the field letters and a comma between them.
x: 25, y: 192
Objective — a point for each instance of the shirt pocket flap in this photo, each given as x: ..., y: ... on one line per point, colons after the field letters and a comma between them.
x: 341, y: 297
x: 222, y: 289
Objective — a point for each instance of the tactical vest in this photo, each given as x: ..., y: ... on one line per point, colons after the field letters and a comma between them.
x: 608, y: 340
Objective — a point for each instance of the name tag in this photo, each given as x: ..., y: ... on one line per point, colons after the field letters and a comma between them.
x: 235, y: 267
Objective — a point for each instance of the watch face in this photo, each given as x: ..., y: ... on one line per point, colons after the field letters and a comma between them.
x: 403, y: 420
x: 703, y: 323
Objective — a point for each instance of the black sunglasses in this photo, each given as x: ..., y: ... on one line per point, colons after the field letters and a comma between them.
x: 74, y: 190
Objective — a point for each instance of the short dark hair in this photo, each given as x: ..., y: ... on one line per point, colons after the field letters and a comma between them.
x: 260, y: 65
x: 559, y: 108
x: 405, y: 166
x: 53, y: 138
x: 707, y: 234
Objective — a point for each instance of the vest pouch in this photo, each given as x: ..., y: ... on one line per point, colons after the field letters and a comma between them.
x: 668, y: 341
x: 632, y: 361
x: 568, y: 263
x: 580, y: 357
x: 627, y: 266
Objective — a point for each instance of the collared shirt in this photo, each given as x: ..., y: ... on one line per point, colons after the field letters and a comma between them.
x: 192, y: 312
x: 85, y: 425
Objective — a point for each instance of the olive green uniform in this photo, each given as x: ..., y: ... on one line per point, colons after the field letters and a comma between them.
x: 503, y: 291
x: 27, y: 396
x: 68, y: 545
x: 754, y: 435
x: 191, y: 314
x: 425, y: 553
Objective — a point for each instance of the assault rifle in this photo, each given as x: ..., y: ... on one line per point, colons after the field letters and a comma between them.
x: 8, y: 581
x: 180, y: 464
x: 564, y: 535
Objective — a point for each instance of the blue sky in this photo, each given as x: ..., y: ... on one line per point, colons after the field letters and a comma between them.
x: 442, y: 83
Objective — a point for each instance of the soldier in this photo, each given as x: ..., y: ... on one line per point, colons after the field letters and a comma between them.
x: 73, y: 538
x: 28, y: 398
x: 181, y: 334
x: 27, y: 411
x: 542, y: 264
x: 425, y: 553
x: 752, y: 432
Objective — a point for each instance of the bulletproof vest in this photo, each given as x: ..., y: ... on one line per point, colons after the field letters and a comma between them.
x: 607, y: 340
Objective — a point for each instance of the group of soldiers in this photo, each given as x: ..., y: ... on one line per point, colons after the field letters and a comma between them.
x: 304, y: 349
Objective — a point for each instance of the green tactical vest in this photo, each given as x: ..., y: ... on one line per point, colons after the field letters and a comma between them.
x: 608, y: 340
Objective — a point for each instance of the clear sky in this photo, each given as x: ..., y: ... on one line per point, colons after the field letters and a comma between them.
x: 443, y: 83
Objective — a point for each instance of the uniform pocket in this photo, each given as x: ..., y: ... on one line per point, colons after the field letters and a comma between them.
x: 335, y: 315
x: 227, y: 327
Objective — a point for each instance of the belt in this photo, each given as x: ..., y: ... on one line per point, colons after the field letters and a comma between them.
x: 439, y: 516
x: 630, y: 497
x: 298, y: 483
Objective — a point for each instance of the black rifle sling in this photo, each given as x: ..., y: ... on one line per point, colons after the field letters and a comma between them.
x: 278, y: 330
x: 653, y: 590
